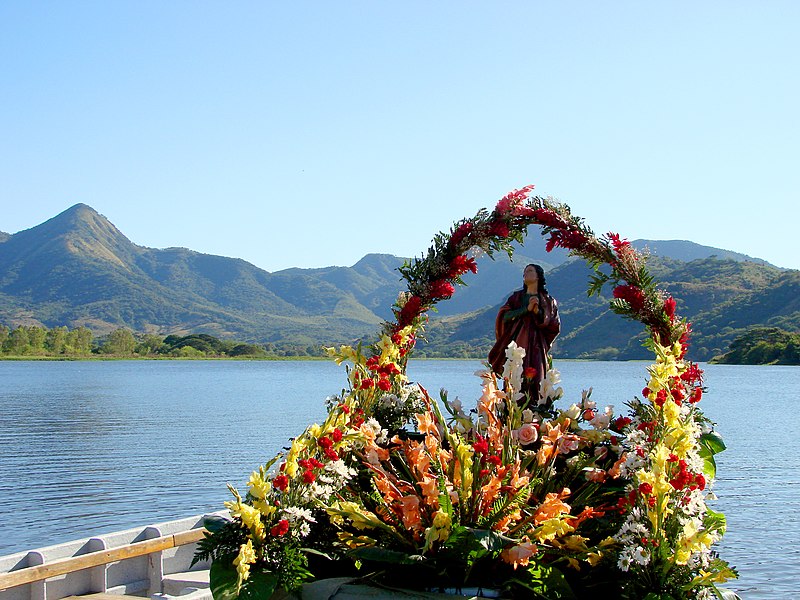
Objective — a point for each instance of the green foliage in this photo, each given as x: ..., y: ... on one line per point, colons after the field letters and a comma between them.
x: 764, y: 345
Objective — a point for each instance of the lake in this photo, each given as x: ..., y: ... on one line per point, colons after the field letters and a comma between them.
x: 93, y: 447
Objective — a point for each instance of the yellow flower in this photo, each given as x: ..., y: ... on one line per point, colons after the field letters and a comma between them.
x: 243, y: 560
x: 259, y: 487
x: 359, y: 517
x: 552, y: 528
x: 593, y: 558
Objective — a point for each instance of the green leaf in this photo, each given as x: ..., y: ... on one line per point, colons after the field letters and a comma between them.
x: 709, y: 464
x: 715, y: 521
x: 491, y: 540
x: 259, y: 586
x: 215, y: 523
x: 713, y: 442
x: 223, y: 578
x: 546, y: 582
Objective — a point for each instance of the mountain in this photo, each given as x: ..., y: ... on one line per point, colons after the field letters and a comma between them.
x: 79, y: 269
x: 689, y: 251
x: 722, y: 299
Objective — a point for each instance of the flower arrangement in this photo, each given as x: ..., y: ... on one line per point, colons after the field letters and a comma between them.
x: 518, y: 494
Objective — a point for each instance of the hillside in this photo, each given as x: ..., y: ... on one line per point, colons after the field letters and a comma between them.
x: 78, y: 269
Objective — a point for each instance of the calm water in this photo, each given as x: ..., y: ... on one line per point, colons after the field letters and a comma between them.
x: 94, y: 447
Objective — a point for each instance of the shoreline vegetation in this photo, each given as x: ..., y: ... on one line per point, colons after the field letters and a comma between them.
x: 758, y: 346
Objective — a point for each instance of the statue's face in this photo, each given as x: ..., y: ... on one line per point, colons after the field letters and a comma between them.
x: 530, y: 276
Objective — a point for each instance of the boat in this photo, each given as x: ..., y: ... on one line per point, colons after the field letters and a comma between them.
x: 152, y: 562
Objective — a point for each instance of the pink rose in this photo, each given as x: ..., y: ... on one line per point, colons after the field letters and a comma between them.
x: 527, y: 434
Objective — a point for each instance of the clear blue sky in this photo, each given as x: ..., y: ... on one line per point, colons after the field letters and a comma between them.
x: 311, y: 133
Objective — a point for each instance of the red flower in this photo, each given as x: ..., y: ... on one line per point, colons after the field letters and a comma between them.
x: 621, y: 423
x: 308, y: 476
x: 481, y: 446
x: 324, y: 442
x: 384, y: 384
x: 367, y: 384
x: 330, y: 453
x: 495, y: 460
x: 619, y: 245
x: 669, y: 307
x: 700, y: 481
x: 441, y: 289
x: 281, y: 528
x: 661, y: 397
x: 693, y: 375
x: 281, y: 482
x: 410, y: 311
x: 548, y: 218
x: 461, y: 232
x: 460, y: 265
x: 499, y: 229
x: 588, y: 414
x: 337, y: 435
x: 529, y: 373
x: 645, y: 392
x: 645, y: 489
x: 569, y: 239
x: 630, y: 294
x: 697, y: 394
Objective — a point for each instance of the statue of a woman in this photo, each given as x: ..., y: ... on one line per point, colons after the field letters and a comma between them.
x: 530, y: 318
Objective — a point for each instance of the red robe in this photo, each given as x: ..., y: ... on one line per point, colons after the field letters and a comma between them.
x: 534, y: 333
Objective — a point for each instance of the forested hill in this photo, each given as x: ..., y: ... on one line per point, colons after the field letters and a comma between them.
x: 78, y: 269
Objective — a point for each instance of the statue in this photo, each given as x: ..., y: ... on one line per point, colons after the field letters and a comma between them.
x: 530, y: 318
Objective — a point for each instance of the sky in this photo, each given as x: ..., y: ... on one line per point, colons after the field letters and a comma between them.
x: 308, y: 134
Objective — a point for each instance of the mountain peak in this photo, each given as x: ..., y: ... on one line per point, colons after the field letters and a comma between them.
x: 80, y: 230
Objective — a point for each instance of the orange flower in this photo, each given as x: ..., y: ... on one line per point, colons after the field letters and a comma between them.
x: 552, y: 507
x: 519, y: 555
x: 426, y: 424
x: 430, y: 491
x: 409, y: 511
x: 418, y: 458
x: 550, y: 439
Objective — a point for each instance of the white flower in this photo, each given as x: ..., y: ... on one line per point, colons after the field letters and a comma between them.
x: 527, y: 416
x: 572, y: 413
x: 641, y: 556
x: 602, y: 420
x: 585, y: 402
x: 624, y: 562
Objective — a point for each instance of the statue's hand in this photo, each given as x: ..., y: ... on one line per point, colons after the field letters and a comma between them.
x: 533, y: 304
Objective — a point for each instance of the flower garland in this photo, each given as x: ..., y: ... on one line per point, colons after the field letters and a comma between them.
x: 536, y: 500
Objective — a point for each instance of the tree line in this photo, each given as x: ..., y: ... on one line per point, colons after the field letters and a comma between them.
x: 763, y: 346
x: 33, y: 341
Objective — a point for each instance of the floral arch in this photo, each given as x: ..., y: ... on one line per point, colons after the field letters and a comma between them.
x: 518, y: 495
